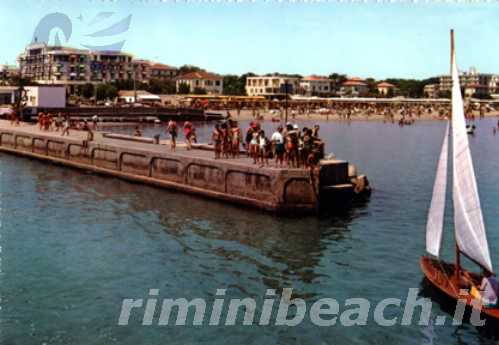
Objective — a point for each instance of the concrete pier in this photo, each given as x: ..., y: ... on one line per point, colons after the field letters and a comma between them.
x: 194, y: 171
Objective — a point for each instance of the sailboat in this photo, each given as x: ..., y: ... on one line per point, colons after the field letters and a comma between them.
x: 470, y: 233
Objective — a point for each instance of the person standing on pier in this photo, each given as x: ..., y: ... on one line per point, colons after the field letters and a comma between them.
x: 216, y: 138
x: 65, y: 126
x: 188, y: 134
x: 278, y: 145
x: 172, y: 130
x: 263, y: 148
x: 236, y: 139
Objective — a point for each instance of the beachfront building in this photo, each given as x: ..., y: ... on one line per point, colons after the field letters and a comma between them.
x: 385, y: 89
x: 7, y: 72
x: 431, y: 91
x: 354, y: 87
x: 211, y: 83
x: 47, y: 96
x: 145, y: 71
x: 73, y: 68
x: 162, y: 72
x: 143, y: 96
x: 316, y: 86
x: 471, y: 80
x: 272, y: 86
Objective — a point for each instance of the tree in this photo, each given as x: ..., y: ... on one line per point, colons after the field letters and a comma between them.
x: 111, y: 92
x: 189, y: 69
x: 234, y: 85
x: 337, y: 79
x: 371, y: 86
x: 161, y: 86
x: 184, y: 88
x: 88, y: 90
x: 101, y: 92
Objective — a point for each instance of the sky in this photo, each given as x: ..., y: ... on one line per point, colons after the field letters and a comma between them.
x: 364, y: 39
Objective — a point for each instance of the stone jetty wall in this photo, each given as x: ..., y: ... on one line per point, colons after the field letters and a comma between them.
x: 285, y: 190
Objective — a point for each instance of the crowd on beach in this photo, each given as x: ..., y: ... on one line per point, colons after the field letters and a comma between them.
x: 401, y: 113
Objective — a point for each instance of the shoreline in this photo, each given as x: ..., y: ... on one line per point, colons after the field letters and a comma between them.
x: 246, y: 115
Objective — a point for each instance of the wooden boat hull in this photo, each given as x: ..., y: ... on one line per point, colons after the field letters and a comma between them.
x: 441, y: 274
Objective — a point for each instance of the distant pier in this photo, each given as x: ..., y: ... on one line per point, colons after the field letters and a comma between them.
x: 195, y: 171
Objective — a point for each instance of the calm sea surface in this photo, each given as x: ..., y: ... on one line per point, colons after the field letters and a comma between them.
x: 74, y: 245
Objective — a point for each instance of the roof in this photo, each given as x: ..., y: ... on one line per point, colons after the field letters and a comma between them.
x: 131, y: 93
x: 385, y: 84
x: 163, y: 66
x: 477, y: 86
x: 315, y: 78
x: 8, y: 88
x: 354, y: 82
x: 200, y: 75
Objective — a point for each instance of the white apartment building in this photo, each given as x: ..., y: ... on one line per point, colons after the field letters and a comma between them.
x: 271, y: 85
x: 73, y: 68
x: 470, y: 78
x: 316, y: 86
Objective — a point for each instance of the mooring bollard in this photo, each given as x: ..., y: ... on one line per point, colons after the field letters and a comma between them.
x: 156, y: 139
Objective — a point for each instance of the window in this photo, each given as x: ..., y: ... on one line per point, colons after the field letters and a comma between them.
x: 217, y: 83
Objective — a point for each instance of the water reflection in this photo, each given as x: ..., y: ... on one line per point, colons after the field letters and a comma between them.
x: 282, y: 250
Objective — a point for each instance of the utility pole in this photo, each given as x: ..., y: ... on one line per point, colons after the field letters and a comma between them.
x: 134, y: 84
x: 286, y: 100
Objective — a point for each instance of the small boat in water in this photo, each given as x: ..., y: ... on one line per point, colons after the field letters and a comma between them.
x: 470, y: 234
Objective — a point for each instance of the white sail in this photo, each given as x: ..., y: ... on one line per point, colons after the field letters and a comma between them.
x: 435, y: 223
x: 468, y: 219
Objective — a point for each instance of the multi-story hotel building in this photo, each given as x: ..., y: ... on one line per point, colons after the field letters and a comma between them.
x: 470, y: 78
x: 146, y: 70
x: 271, y: 86
x: 212, y: 83
x: 73, y: 68
x: 316, y: 86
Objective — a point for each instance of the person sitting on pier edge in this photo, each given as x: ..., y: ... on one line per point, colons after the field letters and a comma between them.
x: 172, y: 130
x: 278, y: 146
x: 216, y: 138
x: 138, y: 132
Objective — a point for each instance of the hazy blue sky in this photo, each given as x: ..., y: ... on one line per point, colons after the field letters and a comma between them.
x: 374, y: 39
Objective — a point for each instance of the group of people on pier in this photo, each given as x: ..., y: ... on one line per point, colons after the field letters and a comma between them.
x: 189, y: 134
x: 287, y: 145
x: 63, y: 123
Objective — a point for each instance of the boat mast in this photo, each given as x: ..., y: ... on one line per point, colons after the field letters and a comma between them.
x: 452, y: 61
